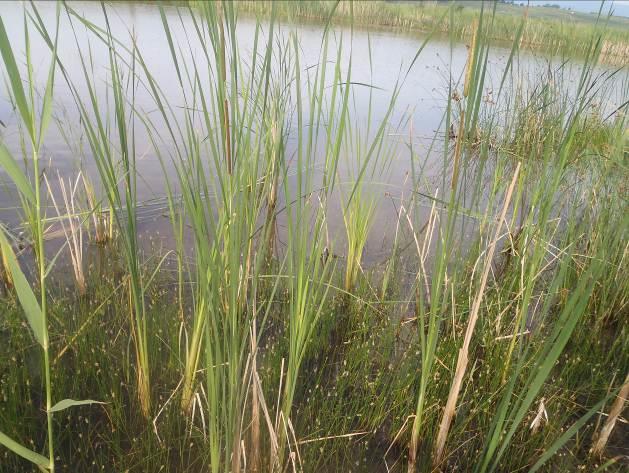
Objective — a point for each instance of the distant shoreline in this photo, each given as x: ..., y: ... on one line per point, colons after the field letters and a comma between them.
x: 551, y: 35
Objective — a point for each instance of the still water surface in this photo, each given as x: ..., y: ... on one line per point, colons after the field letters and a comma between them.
x: 379, y: 58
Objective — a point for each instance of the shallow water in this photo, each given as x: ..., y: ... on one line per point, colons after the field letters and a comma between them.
x: 379, y: 58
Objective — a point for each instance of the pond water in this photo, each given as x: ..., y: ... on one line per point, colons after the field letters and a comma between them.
x: 379, y: 58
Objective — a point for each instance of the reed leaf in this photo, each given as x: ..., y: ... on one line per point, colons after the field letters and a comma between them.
x: 25, y: 294
x: 16, y: 81
x: 24, y: 452
x: 16, y: 174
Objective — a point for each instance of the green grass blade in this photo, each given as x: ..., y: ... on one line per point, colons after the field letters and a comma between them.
x: 62, y: 405
x: 48, y: 94
x: 24, y: 452
x: 171, y: 45
x: 24, y: 293
x: 15, y: 79
x: 16, y: 174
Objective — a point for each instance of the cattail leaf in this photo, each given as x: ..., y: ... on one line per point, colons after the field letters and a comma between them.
x: 24, y: 452
x: 16, y: 174
x: 25, y: 294
x: 15, y: 79
x: 61, y: 405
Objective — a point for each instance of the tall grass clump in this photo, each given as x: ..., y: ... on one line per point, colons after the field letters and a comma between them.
x: 358, y: 216
x: 32, y: 199
x: 307, y: 268
x: 432, y: 288
x: 533, y: 242
x: 535, y: 117
x: 117, y: 171
x: 368, y: 154
x: 222, y: 172
x: 539, y: 228
x: 230, y: 178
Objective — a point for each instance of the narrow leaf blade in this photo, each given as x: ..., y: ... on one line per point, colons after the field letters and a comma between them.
x: 24, y: 452
x: 15, y: 79
x: 24, y: 292
x: 16, y: 174
x: 48, y: 95
x: 61, y: 405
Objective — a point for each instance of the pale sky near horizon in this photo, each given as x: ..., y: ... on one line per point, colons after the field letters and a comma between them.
x: 620, y: 7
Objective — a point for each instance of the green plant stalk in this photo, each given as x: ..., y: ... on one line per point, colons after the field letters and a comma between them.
x: 357, y: 216
x: 442, y: 274
x: 42, y: 286
x: 40, y: 256
x: 222, y: 209
x: 27, y: 112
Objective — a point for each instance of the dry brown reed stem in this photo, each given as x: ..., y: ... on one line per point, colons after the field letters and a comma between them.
x: 255, y: 381
x: 614, y: 413
x: 237, y: 452
x: 255, y: 402
x: 73, y: 233
x: 101, y: 233
x: 461, y: 364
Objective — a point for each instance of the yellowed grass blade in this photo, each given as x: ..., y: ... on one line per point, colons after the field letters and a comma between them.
x: 462, y: 360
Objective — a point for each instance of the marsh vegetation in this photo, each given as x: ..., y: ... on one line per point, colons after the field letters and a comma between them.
x: 263, y: 259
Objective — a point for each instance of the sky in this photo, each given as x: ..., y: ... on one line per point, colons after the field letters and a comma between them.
x: 620, y: 7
